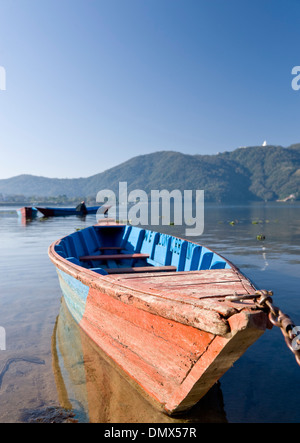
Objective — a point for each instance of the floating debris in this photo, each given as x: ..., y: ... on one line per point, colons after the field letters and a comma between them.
x: 260, y: 237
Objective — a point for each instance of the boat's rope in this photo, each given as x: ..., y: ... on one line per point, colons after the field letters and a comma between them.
x: 263, y: 300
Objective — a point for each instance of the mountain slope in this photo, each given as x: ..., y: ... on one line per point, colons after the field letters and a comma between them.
x: 246, y: 174
x: 273, y: 170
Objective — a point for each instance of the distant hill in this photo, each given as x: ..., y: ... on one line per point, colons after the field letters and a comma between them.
x: 245, y: 174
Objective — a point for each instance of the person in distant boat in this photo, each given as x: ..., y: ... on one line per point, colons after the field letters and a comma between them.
x: 81, y: 208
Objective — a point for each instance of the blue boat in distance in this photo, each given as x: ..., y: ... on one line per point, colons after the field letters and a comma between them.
x: 56, y: 212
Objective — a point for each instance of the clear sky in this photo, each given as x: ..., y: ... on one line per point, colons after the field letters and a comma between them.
x: 93, y: 83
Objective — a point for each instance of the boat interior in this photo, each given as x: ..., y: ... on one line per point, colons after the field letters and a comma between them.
x: 121, y: 249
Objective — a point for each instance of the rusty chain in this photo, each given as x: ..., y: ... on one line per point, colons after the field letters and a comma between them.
x: 291, y: 333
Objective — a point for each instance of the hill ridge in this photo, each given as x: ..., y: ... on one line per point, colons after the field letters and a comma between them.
x: 246, y: 174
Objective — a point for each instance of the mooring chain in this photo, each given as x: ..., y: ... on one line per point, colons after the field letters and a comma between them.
x: 291, y: 333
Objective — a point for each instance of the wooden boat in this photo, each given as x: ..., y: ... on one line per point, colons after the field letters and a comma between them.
x: 97, y: 391
x: 157, y: 306
x: 58, y: 212
x: 27, y: 212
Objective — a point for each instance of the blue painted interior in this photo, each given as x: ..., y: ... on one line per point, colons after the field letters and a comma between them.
x: 163, y: 249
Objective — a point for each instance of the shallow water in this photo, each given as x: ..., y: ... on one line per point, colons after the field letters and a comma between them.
x: 49, y: 364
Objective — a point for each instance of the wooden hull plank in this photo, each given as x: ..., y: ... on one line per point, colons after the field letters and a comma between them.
x: 173, y: 333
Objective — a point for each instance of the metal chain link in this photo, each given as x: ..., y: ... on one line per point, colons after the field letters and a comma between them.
x: 291, y: 333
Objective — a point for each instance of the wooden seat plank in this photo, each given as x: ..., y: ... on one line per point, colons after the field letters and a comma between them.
x: 140, y: 269
x: 110, y: 248
x: 112, y: 256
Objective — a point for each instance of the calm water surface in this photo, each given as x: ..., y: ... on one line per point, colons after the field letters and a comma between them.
x: 50, y: 363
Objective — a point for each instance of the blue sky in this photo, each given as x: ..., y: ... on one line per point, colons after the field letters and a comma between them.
x: 93, y: 83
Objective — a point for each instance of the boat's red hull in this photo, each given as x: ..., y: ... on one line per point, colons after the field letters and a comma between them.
x: 174, y: 363
x: 27, y: 212
x: 172, y: 341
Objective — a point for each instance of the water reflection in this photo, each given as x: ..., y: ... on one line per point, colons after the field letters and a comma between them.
x: 91, y: 385
x: 263, y: 386
x: 28, y: 220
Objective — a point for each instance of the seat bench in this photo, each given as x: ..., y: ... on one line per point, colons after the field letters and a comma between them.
x: 112, y: 257
x: 140, y: 269
x: 110, y: 248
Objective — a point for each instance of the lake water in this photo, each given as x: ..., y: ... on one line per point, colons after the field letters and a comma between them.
x: 49, y: 367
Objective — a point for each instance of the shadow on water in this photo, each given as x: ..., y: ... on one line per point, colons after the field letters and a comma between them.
x: 91, y: 386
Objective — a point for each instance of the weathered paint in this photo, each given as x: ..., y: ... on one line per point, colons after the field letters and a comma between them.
x: 156, y: 249
x: 173, y: 333
x: 102, y: 387
x: 75, y: 294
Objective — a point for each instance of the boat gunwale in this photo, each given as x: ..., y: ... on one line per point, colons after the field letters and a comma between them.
x: 157, y: 303
x: 244, y: 328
